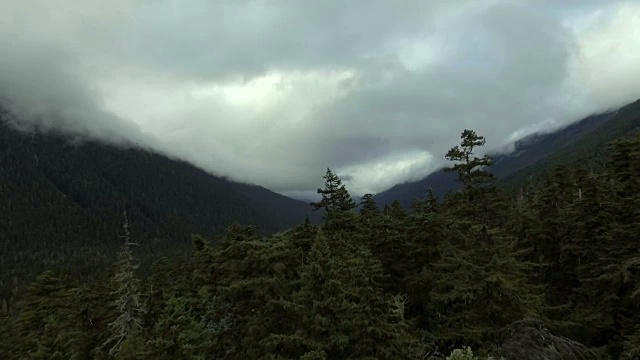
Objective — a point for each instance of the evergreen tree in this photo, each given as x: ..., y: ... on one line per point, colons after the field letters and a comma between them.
x: 369, y: 207
x: 624, y: 166
x: 342, y: 311
x: 168, y: 278
x: 61, y: 340
x: 5, y: 341
x: 385, y: 237
x: 608, y: 264
x: 336, y: 202
x: 425, y: 232
x: 396, y: 211
x: 631, y: 345
x: 49, y: 322
x: 204, y: 270
x: 479, y: 198
x: 460, y: 272
x: 480, y: 287
x: 250, y: 274
x: 472, y: 173
x: 237, y: 232
x: 178, y: 334
x: 302, y: 238
x: 550, y: 231
x: 429, y: 204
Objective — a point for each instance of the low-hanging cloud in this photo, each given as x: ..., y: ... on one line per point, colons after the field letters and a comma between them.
x: 274, y: 92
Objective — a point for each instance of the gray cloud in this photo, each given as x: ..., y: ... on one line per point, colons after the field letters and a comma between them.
x: 247, y: 38
x: 39, y: 86
x: 274, y: 92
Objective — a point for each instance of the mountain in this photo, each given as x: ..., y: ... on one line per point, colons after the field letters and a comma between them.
x: 534, y: 154
x: 588, y: 146
x: 63, y: 202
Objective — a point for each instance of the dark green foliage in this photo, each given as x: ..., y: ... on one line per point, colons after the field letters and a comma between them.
x: 342, y: 309
x: 425, y: 232
x: 302, y: 238
x: 478, y: 198
x: 395, y: 211
x: 429, y: 204
x: 584, y: 141
x: 473, y: 175
x: 50, y: 323
x: 250, y: 271
x: 550, y: 232
x: 179, y: 333
x: 369, y: 207
x: 589, y: 146
x: 631, y: 346
x: 471, y: 169
x: 336, y: 202
x: 393, y: 284
x: 608, y: 266
x: 476, y: 291
x: 5, y: 341
x: 61, y: 202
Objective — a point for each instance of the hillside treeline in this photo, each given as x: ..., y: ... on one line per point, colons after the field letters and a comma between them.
x: 550, y: 271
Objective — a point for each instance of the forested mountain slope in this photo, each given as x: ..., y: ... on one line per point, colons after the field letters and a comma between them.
x: 534, y: 155
x: 63, y: 202
x: 589, y: 146
x: 551, y: 274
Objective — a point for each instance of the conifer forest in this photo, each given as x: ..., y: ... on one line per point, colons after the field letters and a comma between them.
x: 547, y: 269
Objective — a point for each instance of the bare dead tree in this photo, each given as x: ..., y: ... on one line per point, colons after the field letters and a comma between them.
x: 128, y: 301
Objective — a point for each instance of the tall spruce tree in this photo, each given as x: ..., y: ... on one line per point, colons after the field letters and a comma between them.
x: 608, y: 258
x: 341, y: 309
x: 336, y: 202
x: 550, y: 231
x: 471, y: 169
x: 302, y: 237
x: 179, y: 333
x: 396, y: 211
x: 478, y: 198
x: 480, y: 286
x: 250, y: 273
x: 426, y: 230
x: 429, y: 204
x: 5, y: 328
x: 479, y: 280
x: 384, y: 236
x: 50, y: 322
x: 369, y: 207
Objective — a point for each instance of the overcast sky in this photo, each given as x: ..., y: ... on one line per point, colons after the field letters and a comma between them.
x: 273, y: 92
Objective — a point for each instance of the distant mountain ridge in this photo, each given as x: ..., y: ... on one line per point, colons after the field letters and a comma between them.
x: 60, y: 200
x: 533, y: 155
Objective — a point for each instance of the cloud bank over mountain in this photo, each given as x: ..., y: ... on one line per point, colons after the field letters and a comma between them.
x: 274, y: 92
